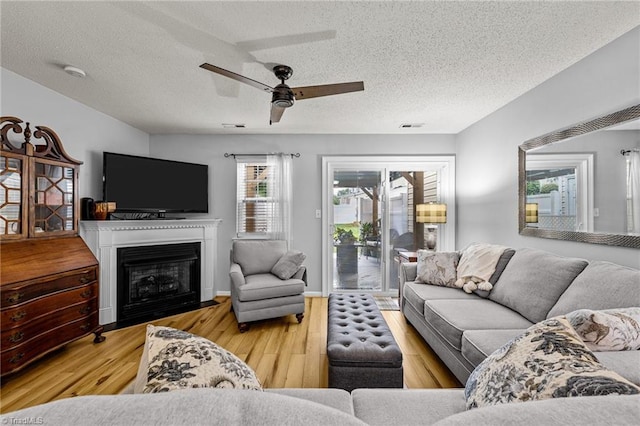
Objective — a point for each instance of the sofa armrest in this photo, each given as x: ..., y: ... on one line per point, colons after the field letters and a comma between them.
x: 237, y: 277
x: 301, y: 274
x: 408, y: 272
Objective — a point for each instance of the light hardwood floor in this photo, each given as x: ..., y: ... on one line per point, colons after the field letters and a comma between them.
x: 283, y: 353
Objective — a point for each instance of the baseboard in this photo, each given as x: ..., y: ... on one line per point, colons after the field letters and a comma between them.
x: 306, y: 293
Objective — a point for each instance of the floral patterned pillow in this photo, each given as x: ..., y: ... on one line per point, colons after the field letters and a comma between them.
x: 174, y: 359
x: 608, y: 330
x: 437, y: 268
x: 547, y: 361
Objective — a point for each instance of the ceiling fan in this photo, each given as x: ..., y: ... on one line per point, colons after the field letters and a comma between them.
x: 284, y: 96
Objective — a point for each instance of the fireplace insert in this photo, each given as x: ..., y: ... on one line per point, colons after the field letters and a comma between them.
x: 157, y: 281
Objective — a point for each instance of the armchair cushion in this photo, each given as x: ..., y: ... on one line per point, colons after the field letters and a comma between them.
x: 268, y: 286
x: 288, y: 264
x: 258, y: 256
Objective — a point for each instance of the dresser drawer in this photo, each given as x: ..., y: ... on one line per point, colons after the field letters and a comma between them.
x: 20, y: 355
x: 26, y: 331
x: 24, y: 313
x: 18, y: 293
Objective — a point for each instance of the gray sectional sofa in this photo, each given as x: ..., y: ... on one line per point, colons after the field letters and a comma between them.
x: 463, y: 329
x: 322, y: 407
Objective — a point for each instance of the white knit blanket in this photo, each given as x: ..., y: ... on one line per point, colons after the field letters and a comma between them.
x: 477, y: 263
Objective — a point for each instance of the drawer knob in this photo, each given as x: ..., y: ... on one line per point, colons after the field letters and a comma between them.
x: 85, y: 310
x: 16, y: 337
x: 17, y: 357
x: 87, y: 293
x: 15, y: 297
x: 85, y: 327
x: 18, y: 316
x: 84, y: 279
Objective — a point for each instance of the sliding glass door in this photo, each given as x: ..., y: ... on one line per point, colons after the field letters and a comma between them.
x: 356, y: 224
x: 369, y: 210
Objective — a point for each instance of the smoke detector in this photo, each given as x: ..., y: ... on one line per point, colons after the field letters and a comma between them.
x: 74, y: 71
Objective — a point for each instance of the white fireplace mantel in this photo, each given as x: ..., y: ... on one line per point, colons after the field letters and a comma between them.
x: 105, y: 237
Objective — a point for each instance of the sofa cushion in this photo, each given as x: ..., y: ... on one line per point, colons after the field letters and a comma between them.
x: 258, y: 256
x: 339, y: 399
x: 479, y: 344
x: 609, y: 329
x: 595, y: 410
x: 549, y: 360
x: 174, y: 359
x: 188, y: 407
x: 602, y: 285
x: 437, y: 268
x: 415, y: 294
x: 406, y: 406
x: 288, y: 264
x: 533, y: 281
x: 625, y: 363
x: 268, y: 286
x: 451, y: 318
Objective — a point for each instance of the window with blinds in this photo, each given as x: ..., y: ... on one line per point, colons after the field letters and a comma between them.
x: 255, y: 212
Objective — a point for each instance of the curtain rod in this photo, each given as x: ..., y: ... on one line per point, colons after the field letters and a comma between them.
x: 227, y: 155
x: 627, y: 151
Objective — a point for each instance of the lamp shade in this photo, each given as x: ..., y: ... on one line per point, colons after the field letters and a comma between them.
x: 431, y: 213
x: 531, y: 213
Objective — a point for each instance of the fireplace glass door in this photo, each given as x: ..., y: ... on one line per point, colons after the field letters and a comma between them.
x: 156, y: 281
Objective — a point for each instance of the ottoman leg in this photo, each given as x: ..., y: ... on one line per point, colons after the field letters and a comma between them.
x: 243, y: 326
x: 299, y: 317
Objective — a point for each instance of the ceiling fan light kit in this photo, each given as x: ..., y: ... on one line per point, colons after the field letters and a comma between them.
x: 284, y: 96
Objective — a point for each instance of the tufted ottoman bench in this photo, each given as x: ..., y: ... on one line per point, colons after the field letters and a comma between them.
x: 361, y: 350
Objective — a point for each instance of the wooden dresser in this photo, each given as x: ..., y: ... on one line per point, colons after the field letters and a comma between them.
x: 47, y: 300
x: 48, y: 276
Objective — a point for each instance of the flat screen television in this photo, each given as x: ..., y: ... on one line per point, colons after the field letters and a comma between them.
x: 151, y: 185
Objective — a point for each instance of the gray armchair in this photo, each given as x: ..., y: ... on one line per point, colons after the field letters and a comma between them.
x: 256, y: 293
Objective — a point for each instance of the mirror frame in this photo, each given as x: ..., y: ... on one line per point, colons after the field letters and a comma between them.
x: 621, y: 240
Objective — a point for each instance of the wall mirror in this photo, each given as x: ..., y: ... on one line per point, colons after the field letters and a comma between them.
x: 582, y: 183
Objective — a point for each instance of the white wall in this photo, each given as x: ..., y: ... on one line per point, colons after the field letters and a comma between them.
x: 487, y: 174
x: 85, y: 133
x: 307, y: 178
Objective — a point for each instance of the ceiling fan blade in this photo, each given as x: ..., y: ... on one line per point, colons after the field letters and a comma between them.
x: 276, y: 114
x: 326, y: 90
x: 237, y: 77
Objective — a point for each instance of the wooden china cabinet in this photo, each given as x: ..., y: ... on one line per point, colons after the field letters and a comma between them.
x: 48, y: 276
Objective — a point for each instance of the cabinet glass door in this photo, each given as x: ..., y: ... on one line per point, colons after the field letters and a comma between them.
x: 53, y: 199
x: 11, y: 197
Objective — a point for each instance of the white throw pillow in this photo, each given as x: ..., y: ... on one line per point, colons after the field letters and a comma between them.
x: 608, y: 330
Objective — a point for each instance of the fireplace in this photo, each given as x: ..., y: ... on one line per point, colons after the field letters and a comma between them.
x: 157, y: 281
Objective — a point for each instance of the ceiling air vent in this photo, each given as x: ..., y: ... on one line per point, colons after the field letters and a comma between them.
x: 233, y: 126
x: 411, y: 125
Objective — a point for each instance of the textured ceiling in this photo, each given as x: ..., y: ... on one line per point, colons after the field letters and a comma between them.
x: 444, y: 64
